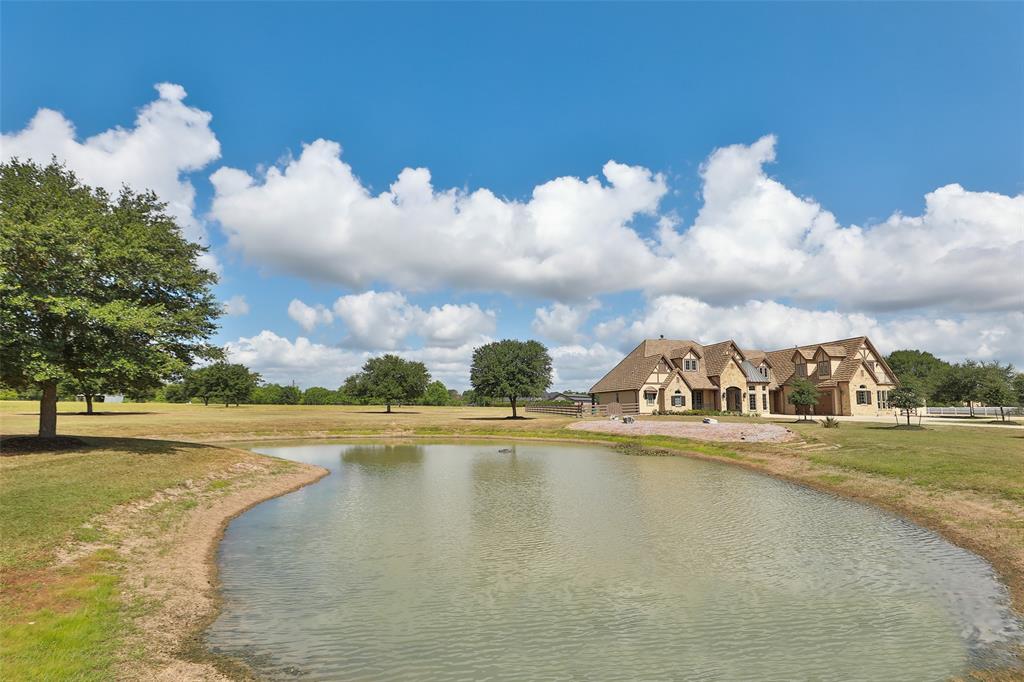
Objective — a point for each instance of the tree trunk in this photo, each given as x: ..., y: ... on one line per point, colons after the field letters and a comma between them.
x: 389, y: 408
x: 512, y: 399
x: 970, y: 405
x: 908, y: 417
x: 88, y: 403
x: 48, y: 411
x: 1002, y: 412
x: 206, y: 402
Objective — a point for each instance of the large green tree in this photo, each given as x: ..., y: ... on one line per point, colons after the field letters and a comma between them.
x: 230, y: 382
x: 94, y: 289
x: 803, y: 394
x: 917, y: 369
x: 388, y: 380
x: 961, y: 383
x: 511, y: 369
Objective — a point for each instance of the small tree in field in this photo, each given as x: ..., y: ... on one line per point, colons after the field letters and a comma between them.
x: 511, y: 369
x: 906, y: 400
x: 389, y: 379
x: 232, y: 383
x: 436, y: 394
x: 99, y: 291
x: 803, y: 394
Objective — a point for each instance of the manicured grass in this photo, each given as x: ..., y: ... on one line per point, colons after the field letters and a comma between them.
x: 985, y: 460
x: 73, y: 634
x: 45, y: 499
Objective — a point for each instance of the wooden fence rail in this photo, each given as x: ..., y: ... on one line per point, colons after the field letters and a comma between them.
x: 581, y: 410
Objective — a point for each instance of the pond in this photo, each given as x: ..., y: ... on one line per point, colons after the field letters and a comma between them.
x: 461, y: 561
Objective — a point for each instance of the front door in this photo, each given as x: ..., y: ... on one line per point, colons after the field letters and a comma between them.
x: 733, y: 399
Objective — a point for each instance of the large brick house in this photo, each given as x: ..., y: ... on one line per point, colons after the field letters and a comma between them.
x: 663, y: 374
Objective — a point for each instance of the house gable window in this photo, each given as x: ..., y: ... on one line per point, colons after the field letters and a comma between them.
x: 678, y: 399
x: 824, y: 368
x: 763, y: 369
x: 801, y: 370
x: 650, y: 397
x: 690, y: 365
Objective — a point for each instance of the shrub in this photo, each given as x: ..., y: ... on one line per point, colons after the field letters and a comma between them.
x: 830, y: 423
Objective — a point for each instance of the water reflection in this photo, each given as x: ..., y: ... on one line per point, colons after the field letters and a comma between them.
x: 461, y: 561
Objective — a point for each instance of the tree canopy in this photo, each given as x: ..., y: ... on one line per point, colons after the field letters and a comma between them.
x: 388, y: 380
x: 104, y: 292
x: 436, y: 394
x: 919, y: 370
x: 905, y: 399
x: 511, y: 369
x: 803, y: 394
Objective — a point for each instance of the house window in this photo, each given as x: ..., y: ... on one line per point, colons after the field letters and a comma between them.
x: 824, y: 368
x: 863, y: 397
x: 698, y: 400
x: 764, y: 402
x: 678, y: 400
x: 764, y: 371
x: 753, y: 401
x: 801, y: 370
x: 690, y: 365
x: 650, y: 397
x: 883, y: 399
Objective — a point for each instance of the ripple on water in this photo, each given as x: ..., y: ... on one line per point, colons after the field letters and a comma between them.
x: 554, y: 562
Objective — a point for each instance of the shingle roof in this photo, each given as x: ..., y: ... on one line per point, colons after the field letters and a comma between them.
x: 631, y: 372
x: 834, y: 350
x: 716, y: 356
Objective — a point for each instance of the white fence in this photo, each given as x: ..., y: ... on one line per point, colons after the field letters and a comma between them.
x: 966, y: 411
x: 582, y: 410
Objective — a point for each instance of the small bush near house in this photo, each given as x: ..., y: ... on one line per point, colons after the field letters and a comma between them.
x: 830, y: 423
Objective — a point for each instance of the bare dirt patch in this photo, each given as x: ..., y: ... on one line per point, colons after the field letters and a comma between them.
x: 723, y: 432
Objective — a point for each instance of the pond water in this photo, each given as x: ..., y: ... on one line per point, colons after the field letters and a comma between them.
x: 553, y: 562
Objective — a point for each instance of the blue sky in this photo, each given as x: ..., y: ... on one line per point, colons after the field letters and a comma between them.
x: 871, y: 108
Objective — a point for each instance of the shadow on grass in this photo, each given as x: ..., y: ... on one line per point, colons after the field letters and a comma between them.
x: 14, y: 446
x: 493, y: 419
x: 86, y: 414
x: 899, y: 427
x: 383, y: 412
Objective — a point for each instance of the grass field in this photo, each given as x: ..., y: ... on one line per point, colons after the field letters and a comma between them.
x: 965, y: 482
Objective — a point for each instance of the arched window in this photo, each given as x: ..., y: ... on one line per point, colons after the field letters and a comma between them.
x: 678, y: 399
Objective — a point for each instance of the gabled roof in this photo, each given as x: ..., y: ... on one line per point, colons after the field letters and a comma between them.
x: 691, y: 347
x: 833, y: 350
x: 716, y: 356
x: 633, y: 370
x: 754, y: 376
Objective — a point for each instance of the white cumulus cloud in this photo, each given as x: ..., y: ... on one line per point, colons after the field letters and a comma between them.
x: 385, y: 319
x: 575, y: 238
x: 307, y: 316
x: 559, y: 242
x: 168, y: 140
x: 561, y: 322
x: 770, y: 325
x: 236, y: 305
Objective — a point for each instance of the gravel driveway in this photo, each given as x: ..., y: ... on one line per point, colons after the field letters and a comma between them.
x: 722, y: 432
